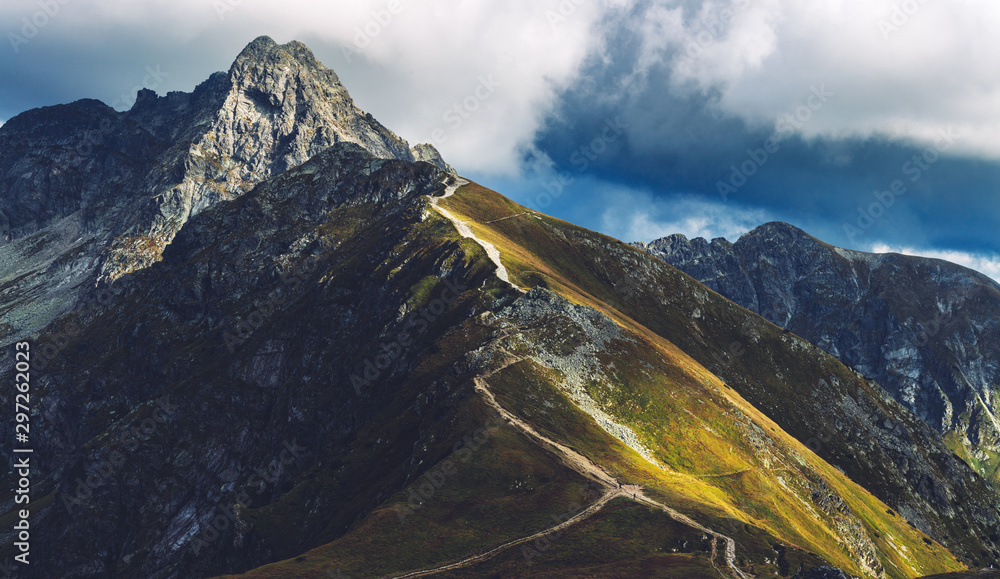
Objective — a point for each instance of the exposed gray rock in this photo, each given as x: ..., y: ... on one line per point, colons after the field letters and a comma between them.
x: 283, y: 293
x: 925, y: 329
x: 851, y: 423
x: 132, y: 180
x: 429, y: 153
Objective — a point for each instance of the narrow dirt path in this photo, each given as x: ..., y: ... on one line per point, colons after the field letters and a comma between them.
x: 593, y: 508
x: 682, y: 518
x: 584, y: 466
x: 574, y: 460
x: 466, y: 231
x: 509, y: 217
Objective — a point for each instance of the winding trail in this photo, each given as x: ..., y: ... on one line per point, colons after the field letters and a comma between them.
x: 574, y: 460
x: 584, y: 466
x: 596, y: 506
x: 466, y: 231
x: 509, y: 217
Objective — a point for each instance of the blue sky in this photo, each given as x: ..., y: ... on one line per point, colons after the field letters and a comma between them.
x: 871, y: 124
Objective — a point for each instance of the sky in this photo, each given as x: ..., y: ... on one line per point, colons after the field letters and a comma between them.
x: 871, y: 124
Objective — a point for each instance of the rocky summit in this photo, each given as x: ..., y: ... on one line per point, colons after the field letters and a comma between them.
x: 269, y: 339
x: 924, y: 329
x: 89, y: 192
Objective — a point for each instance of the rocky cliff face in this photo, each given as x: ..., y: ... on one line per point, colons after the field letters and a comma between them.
x: 169, y: 400
x: 116, y: 188
x: 925, y: 329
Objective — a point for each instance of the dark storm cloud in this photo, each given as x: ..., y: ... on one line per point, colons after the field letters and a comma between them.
x: 682, y: 141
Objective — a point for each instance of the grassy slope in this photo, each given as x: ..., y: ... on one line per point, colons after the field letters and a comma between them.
x: 715, y: 474
x: 535, y: 252
x: 517, y: 486
x: 503, y: 487
x: 485, y: 500
x: 987, y: 464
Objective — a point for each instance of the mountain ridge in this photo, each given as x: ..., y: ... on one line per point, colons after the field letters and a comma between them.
x: 127, y: 182
x: 326, y: 367
x: 918, y: 326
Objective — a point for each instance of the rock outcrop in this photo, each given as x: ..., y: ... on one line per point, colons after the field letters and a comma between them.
x: 122, y: 185
x: 924, y: 329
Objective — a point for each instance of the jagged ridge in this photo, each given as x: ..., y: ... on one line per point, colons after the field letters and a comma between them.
x: 117, y: 187
x: 922, y: 328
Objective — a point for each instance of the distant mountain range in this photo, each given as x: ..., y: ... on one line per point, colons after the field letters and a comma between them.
x: 926, y: 330
x: 271, y: 339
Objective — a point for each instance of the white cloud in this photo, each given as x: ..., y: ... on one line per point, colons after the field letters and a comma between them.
x: 632, y: 215
x: 988, y: 265
x: 931, y: 70
x: 899, y: 68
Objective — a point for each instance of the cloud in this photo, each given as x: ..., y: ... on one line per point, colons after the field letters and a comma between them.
x: 897, y: 71
x: 704, y: 91
x: 988, y: 265
x: 635, y: 215
x: 903, y: 70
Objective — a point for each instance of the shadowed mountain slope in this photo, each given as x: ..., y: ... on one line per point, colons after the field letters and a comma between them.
x: 925, y: 329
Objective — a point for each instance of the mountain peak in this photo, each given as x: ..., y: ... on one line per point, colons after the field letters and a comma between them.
x: 274, y: 109
x: 277, y: 107
x: 776, y: 228
x: 262, y: 43
x: 776, y: 237
x: 770, y: 230
x: 264, y: 51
